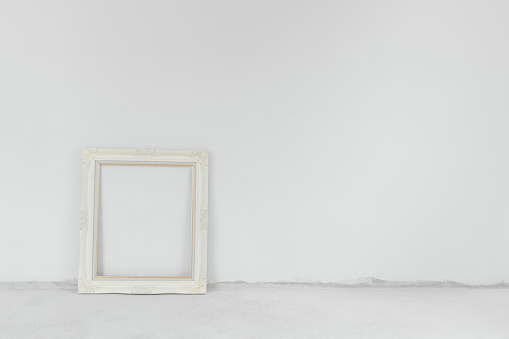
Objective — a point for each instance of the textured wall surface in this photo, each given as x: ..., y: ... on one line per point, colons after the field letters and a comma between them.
x: 347, y: 138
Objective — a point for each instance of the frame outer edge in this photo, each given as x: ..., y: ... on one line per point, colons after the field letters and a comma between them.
x: 87, y: 209
x: 86, y: 222
x: 203, y: 222
x: 85, y: 277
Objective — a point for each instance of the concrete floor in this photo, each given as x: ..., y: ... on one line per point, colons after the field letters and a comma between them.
x: 239, y: 310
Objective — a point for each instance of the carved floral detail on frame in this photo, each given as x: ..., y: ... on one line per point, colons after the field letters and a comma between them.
x: 85, y: 286
x: 199, y: 154
x: 84, y: 220
x: 200, y: 286
x: 203, y: 220
x: 145, y: 152
x: 89, y: 153
x: 141, y: 290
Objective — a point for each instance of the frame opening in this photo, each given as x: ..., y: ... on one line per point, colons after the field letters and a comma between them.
x: 144, y: 221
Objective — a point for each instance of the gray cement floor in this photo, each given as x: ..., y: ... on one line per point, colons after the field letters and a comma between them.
x: 256, y: 311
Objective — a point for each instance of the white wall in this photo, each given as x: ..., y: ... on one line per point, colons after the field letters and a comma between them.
x: 346, y: 138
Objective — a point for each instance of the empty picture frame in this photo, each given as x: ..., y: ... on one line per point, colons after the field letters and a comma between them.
x: 136, y: 197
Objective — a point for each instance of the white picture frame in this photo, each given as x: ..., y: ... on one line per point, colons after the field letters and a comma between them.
x: 92, y: 160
